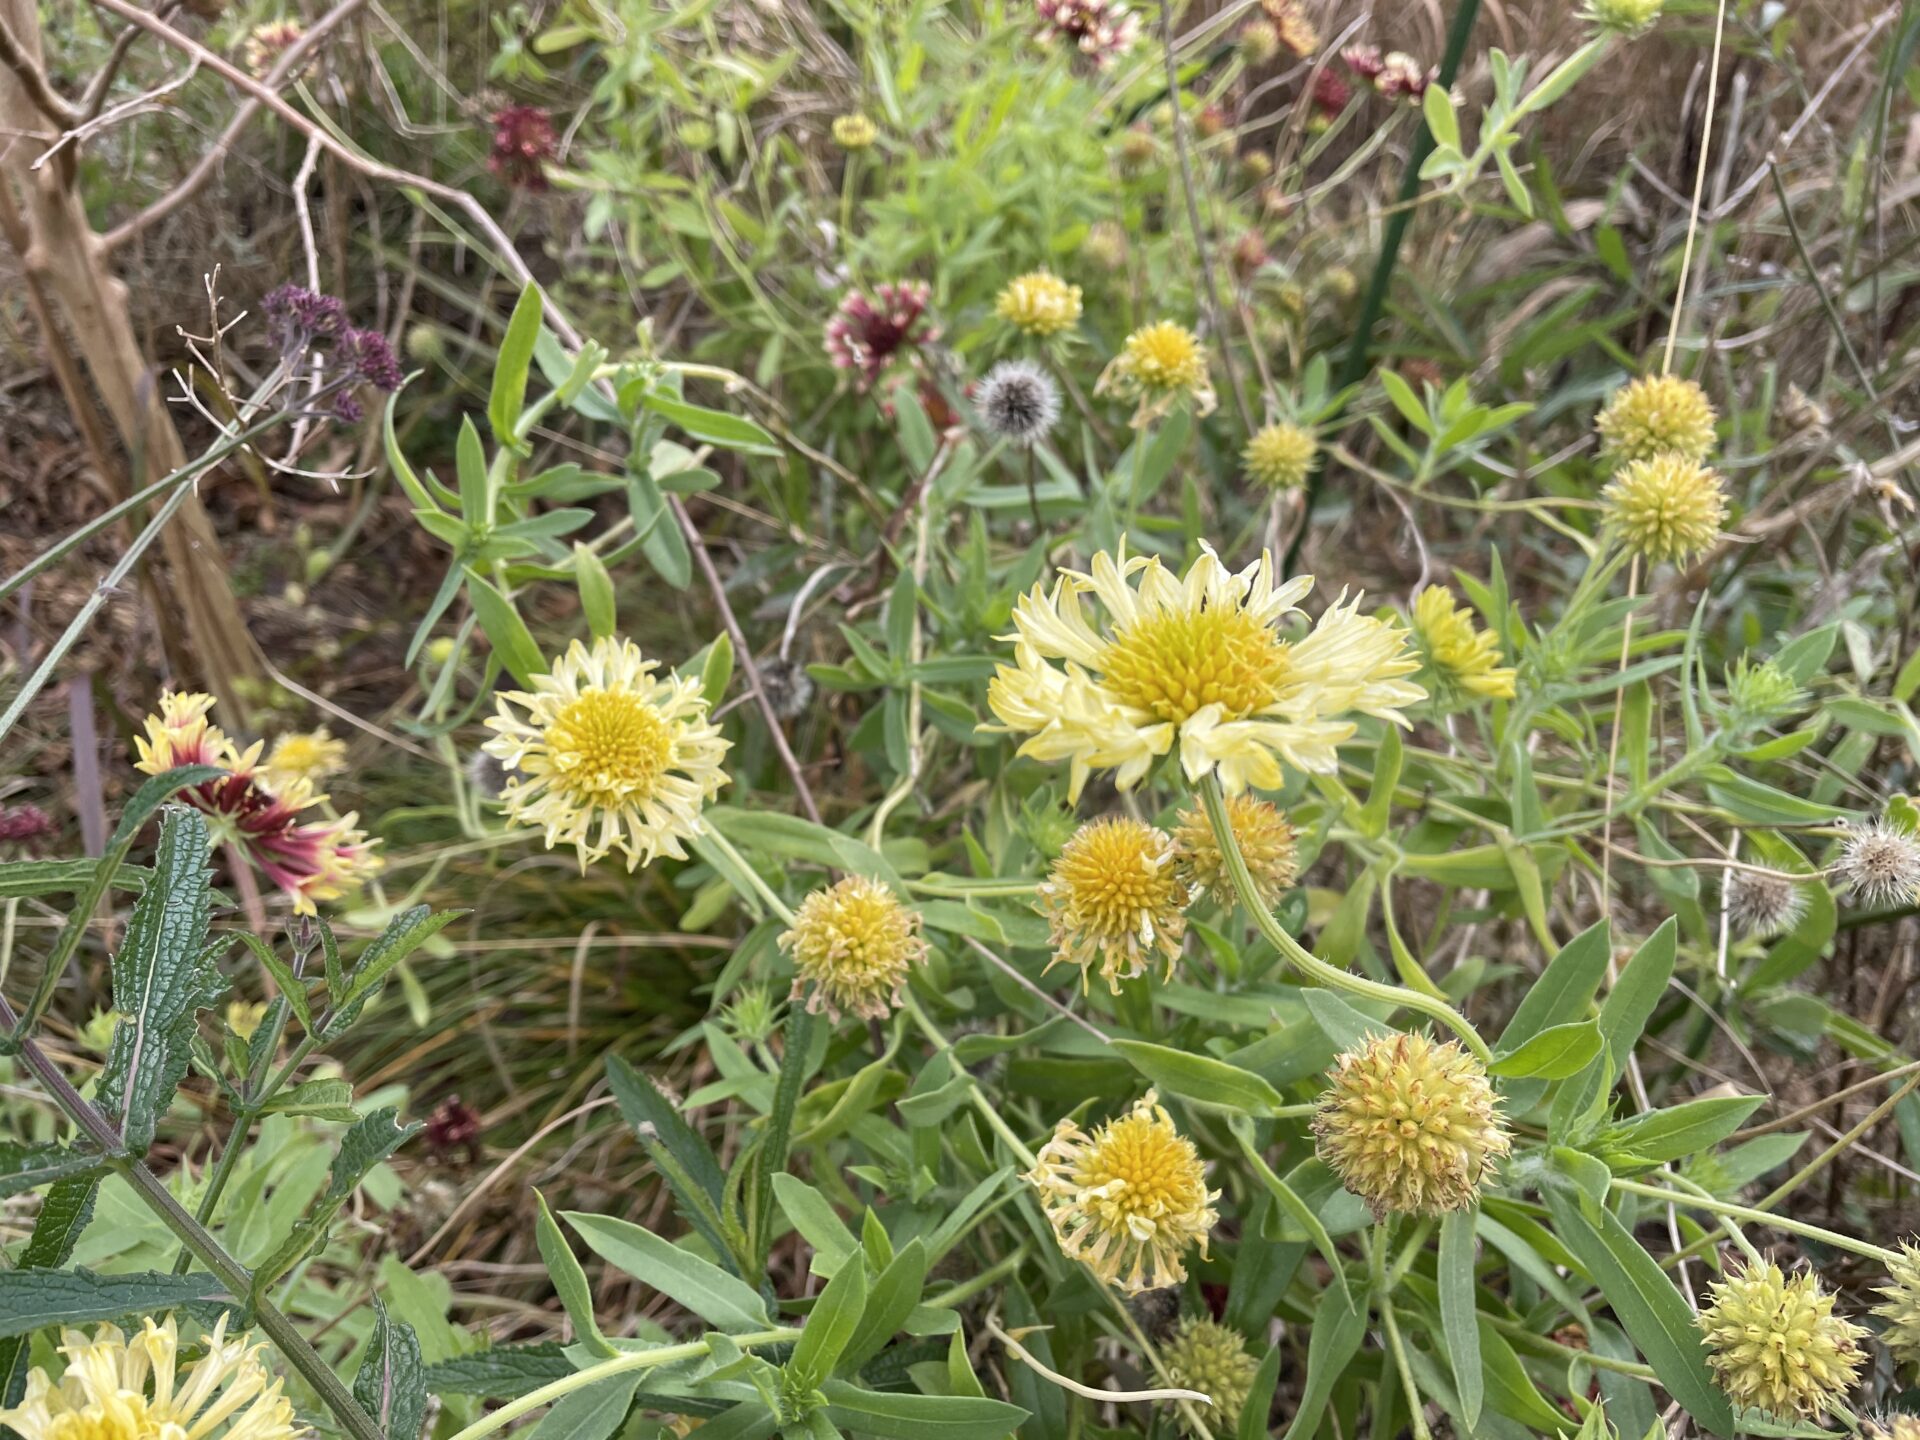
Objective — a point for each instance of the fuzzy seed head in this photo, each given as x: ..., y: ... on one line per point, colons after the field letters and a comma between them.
x: 1658, y: 415
x: 1775, y: 1344
x: 1114, y: 899
x: 1266, y: 840
x: 1411, y: 1127
x: 1880, y: 864
x: 1900, y: 1308
x: 1212, y: 1358
x: 1018, y: 402
x: 1666, y: 508
x: 1280, y: 456
x: 1039, y: 303
x: 1763, y: 906
x: 852, y: 946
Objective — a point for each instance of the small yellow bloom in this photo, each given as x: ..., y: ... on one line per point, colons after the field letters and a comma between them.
x: 1199, y: 660
x: 120, y: 1389
x: 1267, y: 843
x: 1900, y: 1307
x: 1212, y: 1358
x: 609, y: 756
x: 1775, y: 1344
x: 1114, y: 898
x: 1623, y: 17
x: 1666, y: 508
x: 244, y: 1017
x: 1157, y: 365
x: 854, y: 132
x: 1457, y: 654
x: 853, y: 945
x: 309, y: 756
x: 1296, y: 31
x: 1039, y: 303
x: 1280, y: 456
x: 1658, y: 415
x: 1128, y: 1201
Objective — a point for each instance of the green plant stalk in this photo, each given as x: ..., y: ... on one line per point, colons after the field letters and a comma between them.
x: 606, y: 1370
x: 1304, y: 960
x: 986, y: 1279
x: 1758, y: 1217
x: 1383, y: 1302
x: 762, y: 893
x: 995, y: 1121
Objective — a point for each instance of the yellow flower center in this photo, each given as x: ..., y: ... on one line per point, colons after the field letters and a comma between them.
x: 1164, y: 357
x: 609, y: 747
x: 125, y: 1418
x: 1144, y: 1169
x: 1114, y: 875
x: 1176, y: 662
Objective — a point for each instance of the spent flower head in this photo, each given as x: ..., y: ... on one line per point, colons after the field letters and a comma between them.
x: 1891, y: 1426
x: 1666, y: 508
x: 1159, y: 365
x: 1763, y: 905
x: 1204, y: 1355
x: 1657, y: 415
x: 267, y: 42
x: 1200, y: 661
x: 1296, y: 31
x: 1267, y: 843
x: 1459, y: 657
x: 1101, y: 30
x: 1880, y: 863
x: 867, y: 333
x: 1410, y: 1126
x: 1775, y: 1344
x: 1900, y: 1308
x: 1018, y: 402
x: 1280, y: 456
x: 854, y: 132
x: 1114, y: 900
x: 853, y: 945
x: 608, y: 755
x: 1129, y: 1200
x: 1039, y: 303
x: 523, y: 143
x: 1627, y: 18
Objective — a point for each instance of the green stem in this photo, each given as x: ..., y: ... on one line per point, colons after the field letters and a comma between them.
x: 987, y: 1278
x: 994, y: 1120
x: 773, y: 902
x: 1304, y: 960
x: 1383, y: 1302
x: 1758, y: 1217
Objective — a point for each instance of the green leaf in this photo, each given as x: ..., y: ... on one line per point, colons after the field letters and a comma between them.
x: 1553, y: 1054
x: 1654, y: 1313
x: 476, y: 486
x: 323, y: 1099
x: 1338, y: 1327
x: 1259, y: 1405
x: 1679, y: 1130
x: 769, y: 1156
x: 405, y: 933
x: 1437, y: 106
x: 1643, y: 980
x: 46, y: 1299
x: 593, y: 1413
x: 1200, y: 1079
x: 26, y: 879
x: 163, y: 976
x: 716, y: 673
x: 889, y: 1302
x: 569, y: 1280
x: 716, y: 427
x: 590, y: 577
x: 64, y: 1212
x: 509, y: 395
x: 902, y: 1416
x: 283, y: 978
x: 1458, y: 1311
x: 391, y: 1384
x: 722, y: 1300
x: 681, y: 1156
x: 27, y: 1167
x: 830, y: 1325
x: 503, y: 1373
x: 819, y: 1224
x: 366, y: 1143
x: 505, y: 630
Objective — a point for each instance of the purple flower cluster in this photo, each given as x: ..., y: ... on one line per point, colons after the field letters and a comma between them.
x: 523, y: 143
x: 303, y: 321
x: 25, y: 826
x: 866, y: 333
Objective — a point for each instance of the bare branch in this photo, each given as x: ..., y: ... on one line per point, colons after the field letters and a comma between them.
x: 50, y: 102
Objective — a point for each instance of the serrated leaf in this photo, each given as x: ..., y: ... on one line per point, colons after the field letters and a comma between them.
x: 405, y: 933
x: 284, y: 979
x: 503, y: 1373
x: 366, y: 1143
x: 681, y: 1156
x: 27, y: 1167
x: 722, y: 1300
x: 46, y: 1299
x: 64, y: 1212
x: 391, y: 1384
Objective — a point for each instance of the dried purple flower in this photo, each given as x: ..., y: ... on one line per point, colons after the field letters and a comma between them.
x: 371, y: 360
x: 347, y: 410
x: 523, y: 143
x: 25, y: 826
x: 865, y: 334
x: 300, y: 317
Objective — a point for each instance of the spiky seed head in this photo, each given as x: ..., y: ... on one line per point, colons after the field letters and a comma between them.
x: 1266, y: 841
x: 1900, y: 1307
x: 1626, y: 18
x: 1880, y: 864
x: 853, y: 945
x: 1280, y: 456
x: 1018, y: 402
x: 1658, y: 415
x: 1775, y: 1344
x: 1666, y: 508
x: 1259, y: 42
x: 1763, y: 906
x: 1115, y: 901
x: 1410, y: 1126
x: 854, y: 131
x: 1891, y: 1426
x: 1212, y: 1358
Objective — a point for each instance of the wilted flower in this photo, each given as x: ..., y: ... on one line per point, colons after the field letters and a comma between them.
x: 1763, y: 905
x: 1267, y: 843
x: 1249, y: 252
x: 1290, y: 21
x: 453, y: 1128
x: 1365, y: 62
x: 854, y: 132
x: 1157, y: 365
x: 370, y: 360
x: 1101, y: 30
x: 1114, y: 899
x: 610, y: 756
x: 266, y: 43
x: 866, y: 334
x: 787, y: 686
x: 1458, y: 655
x: 1259, y: 42
x: 310, y: 861
x: 1891, y: 1426
x: 1039, y: 303
x: 1018, y: 402
x: 1200, y: 661
x: 1331, y: 96
x: 301, y: 318
x: 1666, y: 508
x: 853, y: 945
x: 1411, y: 1127
x: 1137, y: 149
x: 244, y: 1017
x: 1880, y: 864
x: 1901, y: 1307
x: 1128, y: 1201
x: 1402, y: 75
x: 1280, y: 456
x: 1623, y: 17
x: 114, y: 1388
x: 1775, y: 1344
x: 311, y: 756
x: 523, y: 143
x: 1105, y: 245
x: 1212, y: 1358
x: 1657, y: 415
x: 25, y: 826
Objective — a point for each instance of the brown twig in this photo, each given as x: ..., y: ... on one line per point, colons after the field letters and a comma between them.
x: 50, y: 102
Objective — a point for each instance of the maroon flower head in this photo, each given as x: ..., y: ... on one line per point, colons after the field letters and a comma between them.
x: 1402, y: 75
x: 867, y: 333
x: 523, y: 143
x: 300, y: 318
x: 1364, y: 61
x: 1330, y: 94
x: 370, y: 358
x: 26, y: 826
x: 453, y: 1126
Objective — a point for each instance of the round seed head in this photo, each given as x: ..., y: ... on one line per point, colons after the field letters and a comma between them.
x: 1659, y: 415
x: 1266, y: 841
x: 1280, y: 456
x: 852, y: 945
x: 1666, y: 508
x: 1880, y: 864
x: 1018, y: 402
x: 1212, y: 1358
x: 1775, y: 1344
x: 1763, y: 906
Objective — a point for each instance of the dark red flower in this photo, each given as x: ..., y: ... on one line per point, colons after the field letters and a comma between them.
x: 523, y: 143
x: 453, y: 1126
x: 25, y: 826
x: 866, y: 334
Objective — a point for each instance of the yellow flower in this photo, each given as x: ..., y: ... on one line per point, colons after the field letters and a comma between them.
x: 1127, y: 1201
x: 1775, y: 1344
x: 1200, y: 661
x: 1280, y: 456
x: 244, y: 1017
x: 852, y: 945
x: 180, y: 734
x: 1114, y: 898
x: 1666, y: 508
x: 1039, y: 303
x: 1891, y: 1427
x: 1659, y: 415
x: 309, y: 756
x: 854, y: 132
x: 1212, y: 1358
x: 609, y: 756
x: 1456, y: 653
x: 120, y: 1389
x: 1296, y: 31
x: 1157, y: 365
x: 1901, y: 1307
x: 1411, y: 1127
x: 1266, y: 842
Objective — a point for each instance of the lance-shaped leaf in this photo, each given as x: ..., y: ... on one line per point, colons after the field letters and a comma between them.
x: 163, y: 976
x: 405, y: 933
x: 392, y: 1383
x: 28, y: 1167
x: 45, y: 1299
x: 364, y: 1146
x: 64, y: 1213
